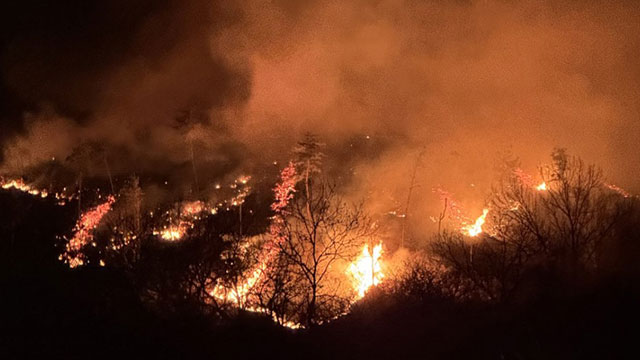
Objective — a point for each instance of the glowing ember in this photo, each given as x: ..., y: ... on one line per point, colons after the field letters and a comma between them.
x: 189, y: 212
x: 475, y: 229
x: 542, y: 186
x: 178, y: 222
x: 284, y: 192
x: 619, y: 190
x: 243, y: 179
x: 171, y: 233
x: 366, y: 270
x: 193, y: 208
x: 84, y: 233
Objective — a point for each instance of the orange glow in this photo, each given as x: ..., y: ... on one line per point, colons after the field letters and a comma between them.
x: 171, y: 233
x: 84, y: 233
x: 238, y: 295
x: 189, y: 212
x: 542, y: 186
x: 624, y: 193
x: 20, y: 185
x: 193, y: 207
x: 366, y: 270
x: 475, y: 229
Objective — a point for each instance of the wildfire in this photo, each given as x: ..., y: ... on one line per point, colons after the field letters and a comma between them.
x: 238, y: 294
x: 171, y: 233
x: 284, y: 192
x: 475, y: 229
x: 178, y: 222
x: 366, y: 270
x: 527, y: 180
x: 193, y: 208
x: 20, y: 185
x: 189, y: 212
x: 84, y: 233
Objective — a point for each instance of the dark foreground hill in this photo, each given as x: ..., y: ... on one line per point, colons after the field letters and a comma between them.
x: 51, y: 312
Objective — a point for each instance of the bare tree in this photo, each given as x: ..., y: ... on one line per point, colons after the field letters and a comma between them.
x: 318, y: 229
x: 568, y: 220
x: 278, y: 290
x: 412, y: 185
x: 124, y: 227
x: 186, y: 122
x: 561, y: 226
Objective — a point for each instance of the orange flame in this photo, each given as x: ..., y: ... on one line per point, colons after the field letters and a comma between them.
x: 171, y: 233
x: 238, y: 295
x: 542, y: 186
x: 475, y: 229
x: 366, y: 270
x: 20, y: 185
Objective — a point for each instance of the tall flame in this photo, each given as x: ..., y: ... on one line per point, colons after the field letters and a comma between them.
x: 366, y: 270
x: 475, y: 229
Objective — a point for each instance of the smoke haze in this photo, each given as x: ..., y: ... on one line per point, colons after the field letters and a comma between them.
x: 236, y: 84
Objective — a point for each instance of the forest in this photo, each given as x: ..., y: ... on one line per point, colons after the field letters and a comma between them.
x: 548, y: 270
x: 361, y: 179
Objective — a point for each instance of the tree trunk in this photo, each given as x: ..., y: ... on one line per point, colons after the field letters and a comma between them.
x: 311, y: 311
x: 406, y: 207
x: 106, y: 164
x: 80, y: 196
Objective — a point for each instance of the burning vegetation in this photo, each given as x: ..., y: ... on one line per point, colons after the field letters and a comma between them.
x: 366, y: 271
x: 313, y: 255
x: 360, y: 179
x: 317, y: 256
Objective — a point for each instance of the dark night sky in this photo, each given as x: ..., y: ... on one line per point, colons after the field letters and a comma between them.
x: 51, y: 48
x: 61, y: 53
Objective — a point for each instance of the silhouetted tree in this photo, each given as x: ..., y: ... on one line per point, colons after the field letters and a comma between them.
x: 319, y: 231
x: 562, y: 227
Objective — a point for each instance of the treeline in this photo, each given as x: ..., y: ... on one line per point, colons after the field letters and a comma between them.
x: 553, y: 274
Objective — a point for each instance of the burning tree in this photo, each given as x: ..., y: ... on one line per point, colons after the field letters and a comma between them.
x: 320, y: 230
x: 181, y: 275
x: 563, y: 225
x: 125, y: 225
x: 316, y: 229
x: 568, y: 216
x: 366, y: 270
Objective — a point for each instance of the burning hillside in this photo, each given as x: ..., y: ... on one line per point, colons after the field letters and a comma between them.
x: 331, y: 167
